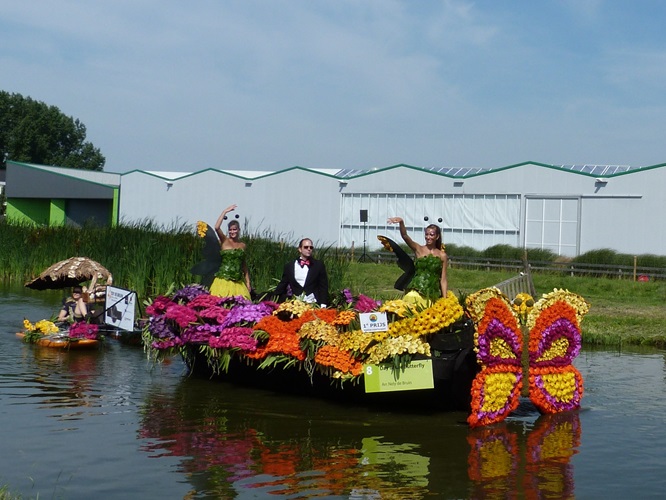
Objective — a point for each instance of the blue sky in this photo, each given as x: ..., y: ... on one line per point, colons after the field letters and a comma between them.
x: 176, y: 85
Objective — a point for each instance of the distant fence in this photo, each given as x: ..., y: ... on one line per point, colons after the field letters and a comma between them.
x: 635, y: 273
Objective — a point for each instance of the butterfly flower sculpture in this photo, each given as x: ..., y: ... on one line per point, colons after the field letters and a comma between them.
x: 551, y: 329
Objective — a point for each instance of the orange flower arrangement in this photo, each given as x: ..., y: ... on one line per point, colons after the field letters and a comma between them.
x: 327, y: 315
x: 283, y: 338
x: 319, y: 330
x: 344, y: 317
x: 340, y: 360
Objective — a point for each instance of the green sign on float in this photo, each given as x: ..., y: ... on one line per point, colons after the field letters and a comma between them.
x: 417, y: 375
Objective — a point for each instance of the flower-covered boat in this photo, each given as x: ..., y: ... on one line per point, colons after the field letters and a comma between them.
x: 437, y: 356
x: 44, y: 333
x: 298, y: 347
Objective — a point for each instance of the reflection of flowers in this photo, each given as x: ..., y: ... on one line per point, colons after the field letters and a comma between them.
x: 496, y: 468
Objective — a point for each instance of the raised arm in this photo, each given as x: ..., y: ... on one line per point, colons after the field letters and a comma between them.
x: 403, y: 232
x: 220, y: 219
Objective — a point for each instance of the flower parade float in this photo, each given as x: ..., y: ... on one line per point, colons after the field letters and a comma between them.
x: 44, y: 333
x: 421, y: 356
x: 433, y: 353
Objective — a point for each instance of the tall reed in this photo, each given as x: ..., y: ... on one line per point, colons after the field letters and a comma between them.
x: 144, y: 256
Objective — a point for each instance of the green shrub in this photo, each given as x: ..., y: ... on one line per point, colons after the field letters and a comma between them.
x: 503, y: 252
x: 462, y: 251
x: 602, y: 256
x: 650, y: 260
x: 541, y: 255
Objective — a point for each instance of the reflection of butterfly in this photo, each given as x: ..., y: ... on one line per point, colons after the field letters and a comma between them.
x: 552, y: 330
x: 499, y: 467
x: 212, y: 258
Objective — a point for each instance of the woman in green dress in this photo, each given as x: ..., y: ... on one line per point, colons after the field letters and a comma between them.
x: 429, y: 282
x: 232, y: 278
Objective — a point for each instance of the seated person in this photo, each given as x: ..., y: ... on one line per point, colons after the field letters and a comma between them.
x: 304, y: 276
x: 74, y: 307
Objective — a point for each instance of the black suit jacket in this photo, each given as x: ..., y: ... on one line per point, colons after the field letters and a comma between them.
x: 316, y: 282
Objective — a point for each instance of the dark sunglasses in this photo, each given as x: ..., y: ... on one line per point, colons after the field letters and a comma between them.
x: 308, y: 247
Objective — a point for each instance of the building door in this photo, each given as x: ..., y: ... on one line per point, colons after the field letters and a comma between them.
x: 553, y: 224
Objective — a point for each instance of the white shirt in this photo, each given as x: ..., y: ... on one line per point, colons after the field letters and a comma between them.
x: 300, y: 273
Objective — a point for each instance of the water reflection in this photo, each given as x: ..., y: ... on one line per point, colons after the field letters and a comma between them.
x: 65, y: 378
x: 72, y: 424
x: 504, y: 460
x: 225, y: 451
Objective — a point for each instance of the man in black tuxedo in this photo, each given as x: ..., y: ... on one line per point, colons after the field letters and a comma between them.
x: 304, y: 276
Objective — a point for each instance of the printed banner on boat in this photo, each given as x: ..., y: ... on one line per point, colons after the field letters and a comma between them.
x: 119, y: 308
x: 417, y: 375
x: 373, y: 322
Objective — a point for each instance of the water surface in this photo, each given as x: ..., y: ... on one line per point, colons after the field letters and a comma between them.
x: 108, y: 424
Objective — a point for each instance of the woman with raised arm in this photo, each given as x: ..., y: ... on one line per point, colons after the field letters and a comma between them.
x: 232, y: 278
x: 430, y: 262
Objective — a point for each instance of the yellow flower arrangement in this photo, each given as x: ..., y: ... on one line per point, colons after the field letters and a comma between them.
x: 522, y: 304
x: 476, y: 302
x: 202, y: 227
x: 398, y: 307
x: 294, y: 307
x: 561, y: 386
x: 558, y: 349
x: 578, y: 303
x: 319, y: 330
x: 500, y: 348
x: 43, y: 326
x: 440, y: 314
x: 355, y: 340
x: 395, y: 346
x: 498, y: 388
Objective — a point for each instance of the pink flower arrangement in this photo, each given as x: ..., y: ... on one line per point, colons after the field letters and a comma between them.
x: 159, y: 305
x: 235, y: 337
x: 182, y: 315
x: 194, y: 316
x: 83, y: 330
x: 365, y: 304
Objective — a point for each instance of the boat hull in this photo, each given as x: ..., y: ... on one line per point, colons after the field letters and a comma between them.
x: 453, y: 361
x: 64, y: 344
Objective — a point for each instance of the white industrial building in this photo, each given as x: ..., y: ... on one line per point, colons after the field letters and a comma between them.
x: 568, y: 209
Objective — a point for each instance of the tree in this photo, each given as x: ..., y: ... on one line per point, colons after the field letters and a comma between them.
x: 34, y: 132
